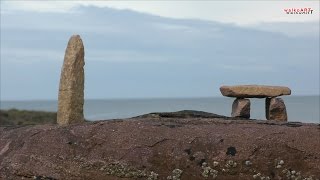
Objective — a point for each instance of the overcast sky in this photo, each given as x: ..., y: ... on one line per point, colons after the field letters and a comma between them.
x: 159, y: 48
x: 238, y: 12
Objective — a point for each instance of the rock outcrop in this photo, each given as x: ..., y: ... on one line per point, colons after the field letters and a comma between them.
x: 163, y: 147
x: 71, y: 90
x: 254, y: 91
x: 241, y: 108
x: 276, y: 109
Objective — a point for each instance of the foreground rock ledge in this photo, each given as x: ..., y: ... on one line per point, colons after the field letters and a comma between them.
x: 138, y: 148
x: 254, y: 91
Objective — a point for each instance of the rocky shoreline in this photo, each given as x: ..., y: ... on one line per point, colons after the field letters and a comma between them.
x: 180, y: 145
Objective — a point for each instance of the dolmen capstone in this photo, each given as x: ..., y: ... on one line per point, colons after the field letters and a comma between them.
x: 275, y: 107
x: 71, y: 89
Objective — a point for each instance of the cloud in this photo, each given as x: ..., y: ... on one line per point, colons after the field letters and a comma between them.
x: 309, y: 29
x: 173, y: 27
x: 267, y: 16
x: 56, y: 22
x: 30, y: 56
x: 130, y: 54
x: 238, y: 12
x: 39, y: 6
x: 249, y: 67
x: 125, y: 56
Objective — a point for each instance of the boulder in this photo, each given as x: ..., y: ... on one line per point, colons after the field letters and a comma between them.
x: 276, y: 109
x: 71, y: 90
x: 241, y: 108
x: 254, y: 91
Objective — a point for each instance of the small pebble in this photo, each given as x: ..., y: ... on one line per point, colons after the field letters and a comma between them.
x: 204, y: 164
x: 281, y: 162
x: 248, y: 163
x: 288, y: 174
x: 214, y: 171
x: 234, y: 164
x: 278, y: 166
x: 215, y: 163
x: 177, y: 171
x: 284, y: 171
x: 230, y: 162
x: 214, y: 176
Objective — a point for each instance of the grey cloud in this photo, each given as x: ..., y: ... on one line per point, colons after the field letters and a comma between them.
x: 150, y: 55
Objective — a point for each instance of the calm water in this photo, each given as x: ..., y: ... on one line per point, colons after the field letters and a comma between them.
x: 300, y: 108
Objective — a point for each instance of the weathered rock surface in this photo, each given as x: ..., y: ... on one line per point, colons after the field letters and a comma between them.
x: 241, y: 108
x: 138, y: 148
x: 276, y: 109
x: 71, y: 90
x: 254, y: 91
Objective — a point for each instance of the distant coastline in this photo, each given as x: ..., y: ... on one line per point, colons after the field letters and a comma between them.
x: 300, y: 108
x: 14, y: 117
x: 140, y: 98
x: 188, y: 142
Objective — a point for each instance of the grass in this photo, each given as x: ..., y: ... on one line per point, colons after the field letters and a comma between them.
x: 14, y: 117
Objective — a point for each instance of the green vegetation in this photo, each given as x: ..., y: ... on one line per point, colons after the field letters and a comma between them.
x: 14, y: 117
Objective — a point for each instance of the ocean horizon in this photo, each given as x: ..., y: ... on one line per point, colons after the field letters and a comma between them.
x: 299, y: 108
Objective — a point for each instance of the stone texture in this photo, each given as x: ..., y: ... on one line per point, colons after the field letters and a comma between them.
x: 254, y: 91
x: 91, y: 150
x: 241, y: 108
x: 71, y: 90
x: 276, y: 109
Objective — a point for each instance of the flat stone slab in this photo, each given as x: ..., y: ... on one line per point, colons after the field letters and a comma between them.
x: 254, y: 91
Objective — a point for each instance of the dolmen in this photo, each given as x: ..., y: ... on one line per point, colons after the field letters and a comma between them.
x: 275, y: 107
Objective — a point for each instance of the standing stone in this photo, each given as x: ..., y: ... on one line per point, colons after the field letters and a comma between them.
x: 241, y: 108
x: 276, y: 109
x: 71, y: 95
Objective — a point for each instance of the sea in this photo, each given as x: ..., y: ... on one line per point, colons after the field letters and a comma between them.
x: 299, y: 108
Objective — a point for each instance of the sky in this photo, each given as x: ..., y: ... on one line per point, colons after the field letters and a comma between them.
x: 145, y: 49
x: 238, y: 12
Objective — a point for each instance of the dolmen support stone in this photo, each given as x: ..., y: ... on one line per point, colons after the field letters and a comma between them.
x: 241, y: 108
x: 71, y: 89
x: 275, y: 107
